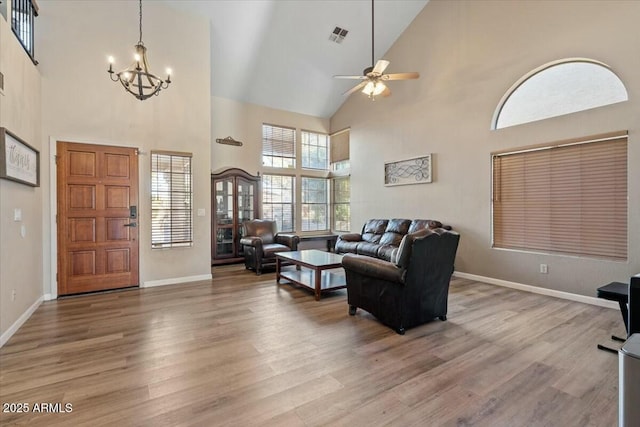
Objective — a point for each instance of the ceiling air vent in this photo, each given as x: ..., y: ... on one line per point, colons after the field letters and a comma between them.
x: 338, y: 35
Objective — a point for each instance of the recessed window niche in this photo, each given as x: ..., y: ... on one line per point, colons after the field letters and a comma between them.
x: 557, y: 88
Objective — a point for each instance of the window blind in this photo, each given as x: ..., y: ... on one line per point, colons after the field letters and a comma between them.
x: 278, y: 146
x: 171, y: 200
x: 315, y: 203
x: 340, y: 146
x: 569, y: 199
x: 278, y: 200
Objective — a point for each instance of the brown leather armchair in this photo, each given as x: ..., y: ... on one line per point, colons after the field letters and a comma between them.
x: 261, y: 241
x: 411, y: 289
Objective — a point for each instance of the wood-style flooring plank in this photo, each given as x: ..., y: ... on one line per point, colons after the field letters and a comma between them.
x: 240, y: 350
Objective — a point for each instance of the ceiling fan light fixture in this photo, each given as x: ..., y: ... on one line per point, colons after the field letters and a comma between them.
x: 374, y: 88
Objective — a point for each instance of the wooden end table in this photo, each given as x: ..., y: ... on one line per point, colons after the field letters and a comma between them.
x: 317, y: 277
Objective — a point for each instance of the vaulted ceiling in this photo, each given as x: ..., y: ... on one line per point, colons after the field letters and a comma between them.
x: 277, y: 53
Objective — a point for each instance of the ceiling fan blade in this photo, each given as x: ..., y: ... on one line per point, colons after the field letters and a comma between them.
x: 386, y: 92
x: 381, y: 65
x: 350, y: 77
x: 355, y: 88
x: 401, y: 76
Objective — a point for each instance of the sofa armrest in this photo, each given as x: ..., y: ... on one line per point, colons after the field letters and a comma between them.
x: 350, y: 237
x: 251, y: 241
x: 288, y: 239
x: 373, y: 267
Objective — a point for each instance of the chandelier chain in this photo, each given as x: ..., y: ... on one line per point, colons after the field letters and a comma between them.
x: 140, y: 39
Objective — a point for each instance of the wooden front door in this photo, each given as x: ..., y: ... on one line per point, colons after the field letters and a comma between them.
x: 97, y: 217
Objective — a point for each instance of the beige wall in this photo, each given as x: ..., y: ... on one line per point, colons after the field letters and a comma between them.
x: 468, y: 54
x: 81, y: 104
x: 243, y: 122
x: 20, y: 258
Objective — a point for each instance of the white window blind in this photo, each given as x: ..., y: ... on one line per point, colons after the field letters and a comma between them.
x: 567, y: 198
x: 278, y: 146
x: 171, y: 200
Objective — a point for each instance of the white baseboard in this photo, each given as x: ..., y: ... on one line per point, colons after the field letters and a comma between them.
x: 538, y: 290
x: 23, y: 318
x: 176, y: 280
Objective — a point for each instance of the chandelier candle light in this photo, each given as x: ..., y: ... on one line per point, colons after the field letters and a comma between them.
x: 137, y: 79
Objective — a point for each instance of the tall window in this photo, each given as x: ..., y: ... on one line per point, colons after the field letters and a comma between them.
x: 341, y: 204
x: 315, y: 204
x: 23, y: 13
x: 315, y: 150
x: 278, y: 146
x: 566, y: 198
x: 171, y: 200
x: 278, y: 201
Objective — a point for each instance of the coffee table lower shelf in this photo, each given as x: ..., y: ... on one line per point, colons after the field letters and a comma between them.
x: 329, y: 280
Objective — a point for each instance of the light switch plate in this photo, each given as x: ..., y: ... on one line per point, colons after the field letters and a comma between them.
x: 201, y: 212
x: 17, y: 214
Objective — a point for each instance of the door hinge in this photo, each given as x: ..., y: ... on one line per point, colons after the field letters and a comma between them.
x: 56, y: 277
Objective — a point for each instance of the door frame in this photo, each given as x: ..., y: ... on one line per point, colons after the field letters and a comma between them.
x: 52, y: 292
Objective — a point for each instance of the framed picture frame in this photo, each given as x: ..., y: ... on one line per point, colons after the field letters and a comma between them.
x: 19, y: 161
x: 415, y: 170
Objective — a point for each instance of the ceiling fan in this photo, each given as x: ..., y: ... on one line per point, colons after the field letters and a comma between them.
x: 373, y: 77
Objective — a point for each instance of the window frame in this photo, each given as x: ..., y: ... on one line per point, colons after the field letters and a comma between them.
x: 306, y: 148
x: 335, y: 204
x: 187, y: 220
x: 264, y: 210
x: 269, y: 130
x: 308, y: 204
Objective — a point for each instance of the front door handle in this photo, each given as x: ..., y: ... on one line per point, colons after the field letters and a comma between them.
x: 133, y: 224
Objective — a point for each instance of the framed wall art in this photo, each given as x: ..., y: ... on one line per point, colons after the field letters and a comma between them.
x: 416, y: 170
x: 19, y: 161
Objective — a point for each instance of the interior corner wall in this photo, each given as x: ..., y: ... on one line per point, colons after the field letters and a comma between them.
x: 468, y: 54
x: 81, y: 104
x: 243, y: 122
x: 20, y: 256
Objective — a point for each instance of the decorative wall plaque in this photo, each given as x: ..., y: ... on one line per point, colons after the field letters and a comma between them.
x: 19, y: 161
x: 416, y: 170
x: 229, y: 141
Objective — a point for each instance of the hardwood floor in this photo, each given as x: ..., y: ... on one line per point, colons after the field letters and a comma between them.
x: 238, y: 351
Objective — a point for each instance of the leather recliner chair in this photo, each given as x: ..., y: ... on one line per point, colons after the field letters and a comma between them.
x: 410, y: 290
x: 261, y: 241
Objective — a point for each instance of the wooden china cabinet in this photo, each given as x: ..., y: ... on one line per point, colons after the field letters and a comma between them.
x: 234, y: 200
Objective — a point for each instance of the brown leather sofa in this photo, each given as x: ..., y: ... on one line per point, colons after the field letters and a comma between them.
x: 410, y: 290
x: 380, y: 238
x: 261, y: 241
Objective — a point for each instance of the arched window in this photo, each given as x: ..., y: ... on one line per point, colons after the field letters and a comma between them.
x: 558, y: 88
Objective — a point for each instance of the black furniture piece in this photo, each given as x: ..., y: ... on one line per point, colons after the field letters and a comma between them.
x: 623, y: 294
x: 262, y: 241
x: 412, y: 289
x: 380, y: 238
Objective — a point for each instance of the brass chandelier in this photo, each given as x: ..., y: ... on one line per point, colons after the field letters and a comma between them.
x: 137, y: 79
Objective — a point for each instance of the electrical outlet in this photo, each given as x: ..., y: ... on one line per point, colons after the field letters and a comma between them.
x: 13, y: 295
x: 544, y: 268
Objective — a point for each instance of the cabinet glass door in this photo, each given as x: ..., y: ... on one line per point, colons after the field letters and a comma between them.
x: 246, y: 205
x: 224, y: 218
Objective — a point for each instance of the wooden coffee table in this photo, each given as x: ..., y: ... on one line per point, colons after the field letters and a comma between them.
x: 316, y: 277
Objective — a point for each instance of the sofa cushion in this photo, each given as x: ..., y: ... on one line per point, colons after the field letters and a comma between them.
x: 344, y: 246
x: 373, y: 229
x: 367, y: 248
x: 387, y: 252
x: 396, y: 229
x: 271, y: 249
